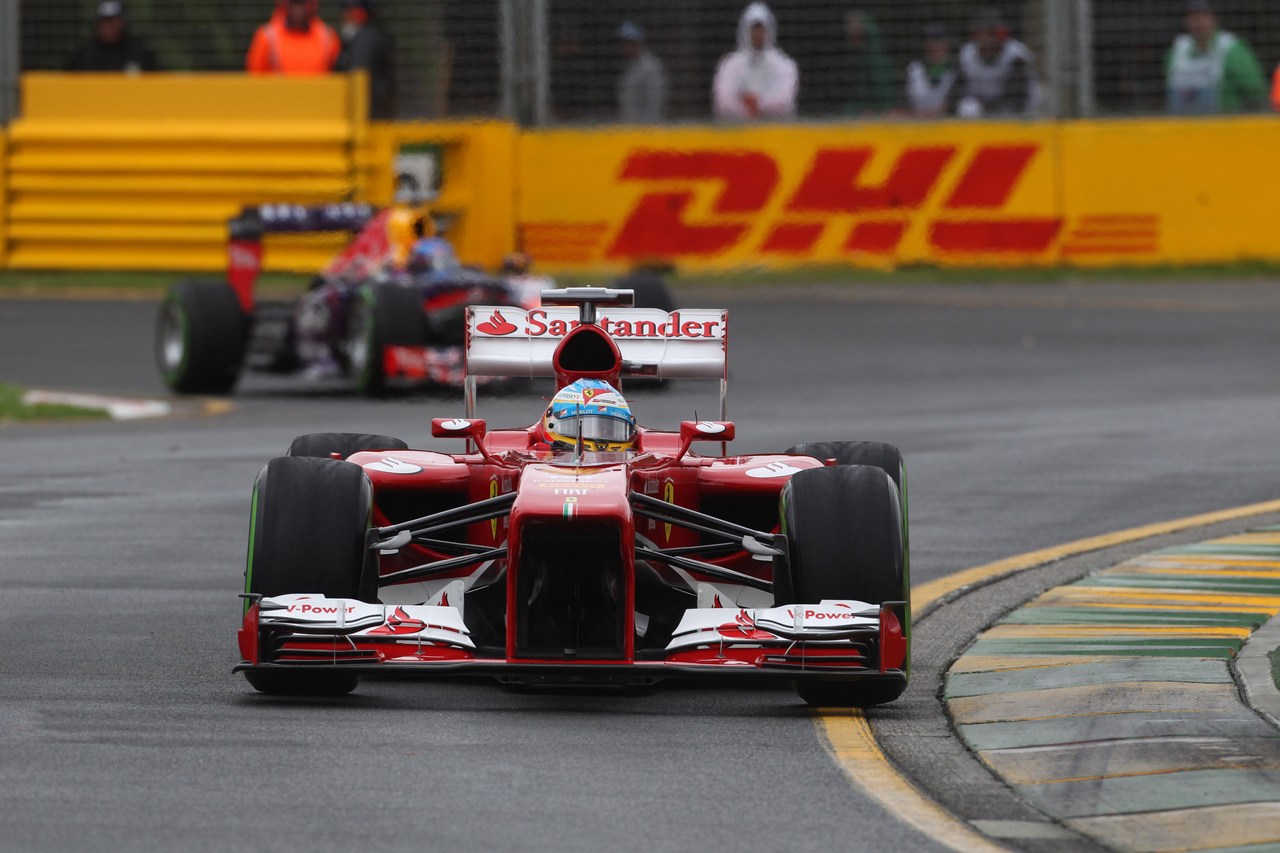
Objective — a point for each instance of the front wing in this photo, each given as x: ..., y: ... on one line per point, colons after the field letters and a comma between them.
x: 828, y: 641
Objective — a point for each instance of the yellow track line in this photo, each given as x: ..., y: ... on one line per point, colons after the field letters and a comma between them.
x: 848, y: 737
x: 928, y: 593
x: 212, y: 408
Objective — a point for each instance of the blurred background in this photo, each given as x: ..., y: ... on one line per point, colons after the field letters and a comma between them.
x: 557, y: 61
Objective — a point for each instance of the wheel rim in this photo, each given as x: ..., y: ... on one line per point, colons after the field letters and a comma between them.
x: 358, y: 338
x: 362, y: 347
x: 173, y: 339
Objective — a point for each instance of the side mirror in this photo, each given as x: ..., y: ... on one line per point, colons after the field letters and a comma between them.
x: 469, y: 428
x: 691, y: 431
x: 472, y: 429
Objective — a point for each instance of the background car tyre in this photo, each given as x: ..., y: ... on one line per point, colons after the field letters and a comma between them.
x: 651, y: 289
x: 308, y: 523
x: 200, y: 337
x: 381, y: 315
x: 845, y: 539
x: 325, y: 444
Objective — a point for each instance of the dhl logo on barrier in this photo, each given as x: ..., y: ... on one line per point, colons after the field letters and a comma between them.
x: 834, y: 202
x: 832, y: 186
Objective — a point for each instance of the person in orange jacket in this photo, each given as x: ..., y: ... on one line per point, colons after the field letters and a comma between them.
x: 294, y: 41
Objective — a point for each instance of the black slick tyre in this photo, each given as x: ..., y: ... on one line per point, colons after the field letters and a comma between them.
x: 308, y: 523
x: 200, y: 337
x: 883, y: 456
x: 325, y: 444
x: 382, y: 315
x: 651, y: 290
x: 846, y: 540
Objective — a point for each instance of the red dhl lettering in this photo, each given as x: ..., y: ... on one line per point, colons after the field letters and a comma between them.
x: 657, y: 225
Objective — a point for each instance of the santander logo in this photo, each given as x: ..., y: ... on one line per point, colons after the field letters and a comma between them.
x: 400, y: 622
x: 496, y: 325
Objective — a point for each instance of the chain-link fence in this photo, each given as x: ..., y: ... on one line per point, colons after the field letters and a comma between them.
x: 446, y: 53
x: 555, y: 61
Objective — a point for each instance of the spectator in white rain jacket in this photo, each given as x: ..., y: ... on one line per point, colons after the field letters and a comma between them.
x: 757, y: 81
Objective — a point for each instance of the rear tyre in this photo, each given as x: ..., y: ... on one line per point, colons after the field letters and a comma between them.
x: 325, y: 444
x: 886, y: 457
x: 651, y: 289
x: 846, y: 540
x: 307, y: 535
x: 382, y: 315
x: 200, y: 337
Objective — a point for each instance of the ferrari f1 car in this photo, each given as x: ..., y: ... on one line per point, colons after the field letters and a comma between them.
x: 583, y: 548
x: 386, y: 311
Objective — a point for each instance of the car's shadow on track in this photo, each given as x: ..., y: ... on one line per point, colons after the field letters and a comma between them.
x: 480, y: 696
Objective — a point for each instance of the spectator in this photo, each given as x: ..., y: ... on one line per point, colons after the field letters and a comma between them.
x: 871, y: 72
x: 931, y: 80
x: 1209, y: 70
x: 642, y: 87
x: 756, y: 81
x: 367, y: 46
x: 1275, y: 89
x: 294, y: 41
x: 112, y: 47
x: 997, y: 72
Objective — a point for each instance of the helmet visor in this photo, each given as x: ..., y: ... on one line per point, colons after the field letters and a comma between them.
x: 596, y: 428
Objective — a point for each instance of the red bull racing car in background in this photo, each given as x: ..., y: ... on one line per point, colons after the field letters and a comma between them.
x: 583, y: 548
x: 386, y: 311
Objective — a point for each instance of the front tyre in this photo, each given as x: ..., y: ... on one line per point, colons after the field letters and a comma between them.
x: 846, y: 539
x: 307, y: 531
x: 200, y: 337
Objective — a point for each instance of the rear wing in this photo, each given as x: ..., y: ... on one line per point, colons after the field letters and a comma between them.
x: 689, y: 343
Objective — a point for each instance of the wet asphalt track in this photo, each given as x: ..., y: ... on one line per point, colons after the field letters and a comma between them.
x: 1028, y: 416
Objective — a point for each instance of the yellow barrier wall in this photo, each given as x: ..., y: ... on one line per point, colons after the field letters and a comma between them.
x: 1152, y: 191
x: 710, y: 198
x: 142, y: 172
x: 109, y: 171
x: 4, y: 201
x: 1171, y: 191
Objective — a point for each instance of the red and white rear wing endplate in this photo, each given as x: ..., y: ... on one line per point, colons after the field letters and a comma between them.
x: 684, y: 344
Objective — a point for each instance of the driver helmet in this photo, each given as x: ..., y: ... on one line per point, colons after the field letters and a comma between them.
x: 432, y: 254
x: 594, y: 410
x: 405, y: 226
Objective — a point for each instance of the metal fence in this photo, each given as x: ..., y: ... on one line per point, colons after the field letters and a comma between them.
x: 557, y: 61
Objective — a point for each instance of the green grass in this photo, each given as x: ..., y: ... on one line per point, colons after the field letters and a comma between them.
x: 284, y: 283
x: 158, y: 282
x: 13, y: 410
x: 929, y: 274
x: 1274, y: 655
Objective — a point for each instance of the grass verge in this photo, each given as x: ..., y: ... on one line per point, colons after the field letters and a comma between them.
x: 13, y: 410
x: 28, y: 281
x: 282, y: 284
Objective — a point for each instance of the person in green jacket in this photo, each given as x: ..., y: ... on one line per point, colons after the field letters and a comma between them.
x: 1209, y: 70
x: 871, y: 88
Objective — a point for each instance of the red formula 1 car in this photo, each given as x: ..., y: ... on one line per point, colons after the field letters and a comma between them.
x: 583, y: 548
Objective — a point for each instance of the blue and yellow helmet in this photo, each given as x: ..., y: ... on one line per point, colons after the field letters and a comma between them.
x: 594, y: 411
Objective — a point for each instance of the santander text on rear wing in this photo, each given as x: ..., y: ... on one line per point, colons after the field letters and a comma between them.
x: 683, y: 344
